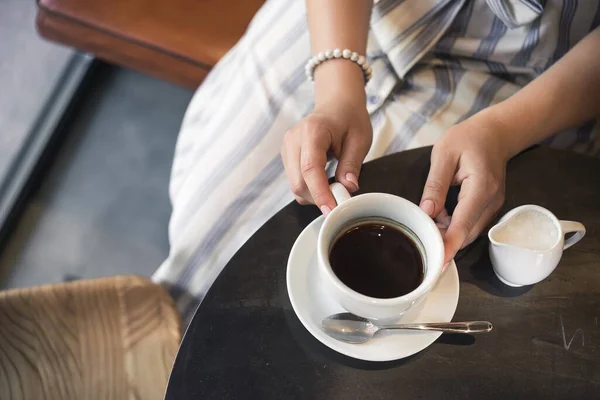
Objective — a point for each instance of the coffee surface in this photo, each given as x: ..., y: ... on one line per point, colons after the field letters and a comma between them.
x: 377, y: 260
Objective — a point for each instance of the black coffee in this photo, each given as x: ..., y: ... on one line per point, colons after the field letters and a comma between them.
x: 377, y: 260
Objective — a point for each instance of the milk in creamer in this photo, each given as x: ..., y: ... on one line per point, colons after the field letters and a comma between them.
x: 528, y: 229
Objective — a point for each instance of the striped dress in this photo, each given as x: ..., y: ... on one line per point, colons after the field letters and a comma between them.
x: 435, y: 63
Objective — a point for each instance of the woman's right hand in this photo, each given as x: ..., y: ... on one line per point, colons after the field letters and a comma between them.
x: 341, y: 128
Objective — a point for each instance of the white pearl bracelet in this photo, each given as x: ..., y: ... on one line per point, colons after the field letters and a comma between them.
x: 324, y: 56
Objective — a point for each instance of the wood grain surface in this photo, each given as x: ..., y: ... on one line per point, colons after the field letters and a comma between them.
x: 108, y: 338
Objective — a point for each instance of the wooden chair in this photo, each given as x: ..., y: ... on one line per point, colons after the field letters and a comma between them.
x: 109, y: 338
x: 177, y: 40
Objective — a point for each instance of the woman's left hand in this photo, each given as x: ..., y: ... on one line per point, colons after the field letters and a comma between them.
x: 471, y: 154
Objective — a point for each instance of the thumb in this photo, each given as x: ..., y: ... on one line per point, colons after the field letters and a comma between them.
x: 438, y: 182
x: 354, y: 151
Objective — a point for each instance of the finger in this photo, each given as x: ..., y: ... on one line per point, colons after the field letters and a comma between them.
x: 488, y: 214
x: 441, y: 172
x: 302, y: 201
x: 313, y: 159
x: 291, y: 162
x: 445, y: 266
x: 443, y: 219
x: 354, y: 151
x: 471, y: 204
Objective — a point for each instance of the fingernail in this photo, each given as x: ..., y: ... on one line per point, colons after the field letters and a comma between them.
x: 325, y: 210
x: 445, y: 266
x: 350, y: 177
x: 428, y: 206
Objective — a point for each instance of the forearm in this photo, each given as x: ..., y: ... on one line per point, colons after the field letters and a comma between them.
x: 566, y: 95
x: 339, y: 24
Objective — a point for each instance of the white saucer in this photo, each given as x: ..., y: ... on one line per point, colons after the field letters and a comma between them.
x: 312, y: 304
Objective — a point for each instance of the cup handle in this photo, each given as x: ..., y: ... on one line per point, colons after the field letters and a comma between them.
x: 572, y: 226
x: 339, y: 192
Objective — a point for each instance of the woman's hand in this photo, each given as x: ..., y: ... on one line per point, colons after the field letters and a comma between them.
x: 472, y: 154
x: 338, y: 127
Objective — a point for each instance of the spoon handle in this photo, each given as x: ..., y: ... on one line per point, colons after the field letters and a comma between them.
x: 449, y: 327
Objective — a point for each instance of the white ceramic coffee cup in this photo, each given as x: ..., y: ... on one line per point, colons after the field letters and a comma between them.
x: 518, y: 266
x: 394, y: 208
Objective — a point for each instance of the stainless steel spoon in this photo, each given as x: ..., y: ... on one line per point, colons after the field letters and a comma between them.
x: 350, y: 328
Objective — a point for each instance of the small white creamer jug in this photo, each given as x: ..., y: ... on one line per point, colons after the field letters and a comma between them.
x: 527, y: 244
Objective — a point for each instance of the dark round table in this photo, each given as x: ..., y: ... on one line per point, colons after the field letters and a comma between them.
x: 245, y: 341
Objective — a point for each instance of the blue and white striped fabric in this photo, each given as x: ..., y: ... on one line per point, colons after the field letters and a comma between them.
x: 435, y: 63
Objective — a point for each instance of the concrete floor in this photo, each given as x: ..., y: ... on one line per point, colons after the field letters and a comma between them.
x: 29, y: 69
x: 104, y: 207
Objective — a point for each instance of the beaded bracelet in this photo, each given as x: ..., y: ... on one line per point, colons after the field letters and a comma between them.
x: 324, y: 56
